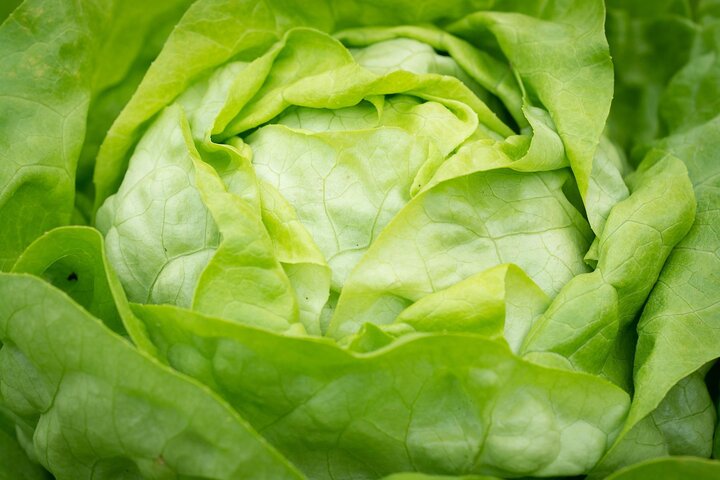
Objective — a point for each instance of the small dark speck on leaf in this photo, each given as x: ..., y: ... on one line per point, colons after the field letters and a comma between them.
x: 72, y: 277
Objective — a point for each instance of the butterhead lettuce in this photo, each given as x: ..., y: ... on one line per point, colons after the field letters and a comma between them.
x: 358, y: 239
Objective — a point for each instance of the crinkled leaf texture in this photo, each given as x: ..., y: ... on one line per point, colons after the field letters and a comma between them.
x: 375, y: 413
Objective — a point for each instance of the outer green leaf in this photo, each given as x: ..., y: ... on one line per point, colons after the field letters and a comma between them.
x: 73, y: 259
x: 54, y: 57
x: 682, y: 424
x: 588, y: 322
x: 677, y: 333
x: 106, y: 411
x: 649, y: 43
x: 692, y: 97
x: 343, y: 415
x: 670, y: 469
x: 40, y: 132
x: 135, y: 37
x: 682, y: 311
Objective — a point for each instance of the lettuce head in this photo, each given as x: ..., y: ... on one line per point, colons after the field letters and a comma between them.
x: 346, y: 239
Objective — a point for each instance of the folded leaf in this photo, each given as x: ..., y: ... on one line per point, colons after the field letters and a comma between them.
x: 341, y: 415
x: 501, y: 302
x: 586, y: 327
x: 104, y: 409
x: 459, y: 228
